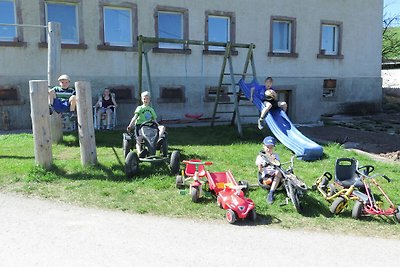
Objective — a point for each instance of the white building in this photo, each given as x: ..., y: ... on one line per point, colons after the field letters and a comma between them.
x: 324, y: 55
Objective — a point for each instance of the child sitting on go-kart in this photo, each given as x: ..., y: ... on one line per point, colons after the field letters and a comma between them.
x: 265, y: 162
x: 142, y: 114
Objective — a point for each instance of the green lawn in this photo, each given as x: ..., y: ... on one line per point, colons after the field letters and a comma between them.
x: 153, y: 191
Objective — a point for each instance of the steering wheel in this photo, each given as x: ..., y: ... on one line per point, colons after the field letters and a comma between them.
x: 367, y: 169
x: 149, y: 123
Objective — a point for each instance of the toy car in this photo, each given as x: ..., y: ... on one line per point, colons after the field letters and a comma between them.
x: 222, y: 185
x: 150, y: 145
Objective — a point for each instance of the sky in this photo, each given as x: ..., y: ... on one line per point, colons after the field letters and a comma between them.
x: 393, y: 7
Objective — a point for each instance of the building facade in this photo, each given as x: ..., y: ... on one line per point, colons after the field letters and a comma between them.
x: 325, y: 56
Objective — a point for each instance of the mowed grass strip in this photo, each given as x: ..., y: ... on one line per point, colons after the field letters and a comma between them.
x: 153, y: 190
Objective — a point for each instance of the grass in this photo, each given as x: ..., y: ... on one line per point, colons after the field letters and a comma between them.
x: 153, y: 191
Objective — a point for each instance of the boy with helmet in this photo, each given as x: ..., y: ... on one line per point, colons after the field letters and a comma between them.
x: 266, y: 161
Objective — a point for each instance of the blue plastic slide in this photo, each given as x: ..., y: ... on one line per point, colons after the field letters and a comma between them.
x: 282, y: 127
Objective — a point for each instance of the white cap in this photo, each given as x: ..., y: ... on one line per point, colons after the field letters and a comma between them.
x: 64, y: 77
x: 145, y: 93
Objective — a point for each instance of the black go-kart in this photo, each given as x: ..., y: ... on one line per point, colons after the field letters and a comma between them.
x: 154, y: 149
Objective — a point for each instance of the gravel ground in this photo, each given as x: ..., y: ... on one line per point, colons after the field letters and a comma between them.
x: 45, y: 233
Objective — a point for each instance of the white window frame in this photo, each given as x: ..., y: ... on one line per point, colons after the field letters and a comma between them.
x: 110, y: 42
x: 228, y: 31
x: 287, y: 35
x: 333, y: 39
x: 66, y: 41
x: 13, y: 38
x: 171, y: 45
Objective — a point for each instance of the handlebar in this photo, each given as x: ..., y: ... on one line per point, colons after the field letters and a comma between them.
x: 387, y: 178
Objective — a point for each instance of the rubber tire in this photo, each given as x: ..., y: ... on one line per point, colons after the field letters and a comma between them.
x: 357, y: 210
x: 338, y: 205
x: 397, y: 215
x: 294, y: 197
x: 174, y: 162
x: 179, y: 181
x: 252, y: 215
x: 164, y: 148
x: 131, y: 164
x: 126, y: 148
x: 195, y: 193
x: 230, y: 216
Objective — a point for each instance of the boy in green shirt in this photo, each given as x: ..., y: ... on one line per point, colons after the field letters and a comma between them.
x: 142, y: 114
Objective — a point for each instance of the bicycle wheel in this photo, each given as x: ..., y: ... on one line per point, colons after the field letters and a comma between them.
x: 294, y: 197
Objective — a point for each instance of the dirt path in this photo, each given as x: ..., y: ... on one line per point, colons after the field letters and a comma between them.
x: 45, y: 233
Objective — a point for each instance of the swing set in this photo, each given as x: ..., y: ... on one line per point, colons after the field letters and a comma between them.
x: 227, y: 78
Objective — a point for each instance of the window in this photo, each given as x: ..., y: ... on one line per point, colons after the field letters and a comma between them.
x: 220, y: 27
x: 218, y: 31
x: 330, y: 36
x: 66, y: 15
x: 69, y: 14
x: 283, y: 37
x: 171, y: 23
x: 7, y: 11
x: 172, y: 94
x: 119, y: 28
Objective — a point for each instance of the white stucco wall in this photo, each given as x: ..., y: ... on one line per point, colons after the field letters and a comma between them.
x: 358, y: 73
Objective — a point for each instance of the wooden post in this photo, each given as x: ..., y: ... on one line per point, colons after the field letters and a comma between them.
x: 84, y: 110
x: 53, y: 71
x: 40, y: 123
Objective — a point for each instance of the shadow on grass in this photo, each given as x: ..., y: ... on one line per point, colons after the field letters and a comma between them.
x: 16, y: 157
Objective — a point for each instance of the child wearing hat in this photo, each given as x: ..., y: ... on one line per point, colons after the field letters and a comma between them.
x: 142, y: 114
x: 62, y: 98
x: 266, y: 161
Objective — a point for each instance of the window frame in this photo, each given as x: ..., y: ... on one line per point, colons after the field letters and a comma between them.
x: 185, y: 29
x: 134, y: 26
x: 19, y: 39
x: 339, y: 54
x: 43, y: 18
x: 292, y: 41
x: 232, y: 31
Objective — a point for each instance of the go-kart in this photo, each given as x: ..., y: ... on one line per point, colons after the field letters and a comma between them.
x: 222, y: 185
x: 295, y: 188
x: 150, y: 145
x: 354, y: 183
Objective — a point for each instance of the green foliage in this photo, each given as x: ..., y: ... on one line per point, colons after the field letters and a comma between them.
x: 153, y: 190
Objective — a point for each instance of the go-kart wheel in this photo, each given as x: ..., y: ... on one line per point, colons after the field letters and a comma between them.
x: 125, y: 148
x: 231, y: 216
x: 357, y: 210
x: 131, y: 164
x: 164, y: 147
x: 179, y: 181
x: 397, y: 215
x: 338, y: 205
x: 252, y: 215
x: 195, y: 193
x: 174, y: 162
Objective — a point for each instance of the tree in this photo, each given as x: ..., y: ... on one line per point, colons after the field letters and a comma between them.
x: 391, y: 37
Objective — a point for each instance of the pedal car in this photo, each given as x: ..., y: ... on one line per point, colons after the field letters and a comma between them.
x: 354, y: 183
x: 150, y: 145
x: 230, y: 194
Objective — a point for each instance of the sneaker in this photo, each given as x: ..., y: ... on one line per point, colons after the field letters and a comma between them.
x: 261, y: 124
x: 270, y: 198
x: 51, y: 110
